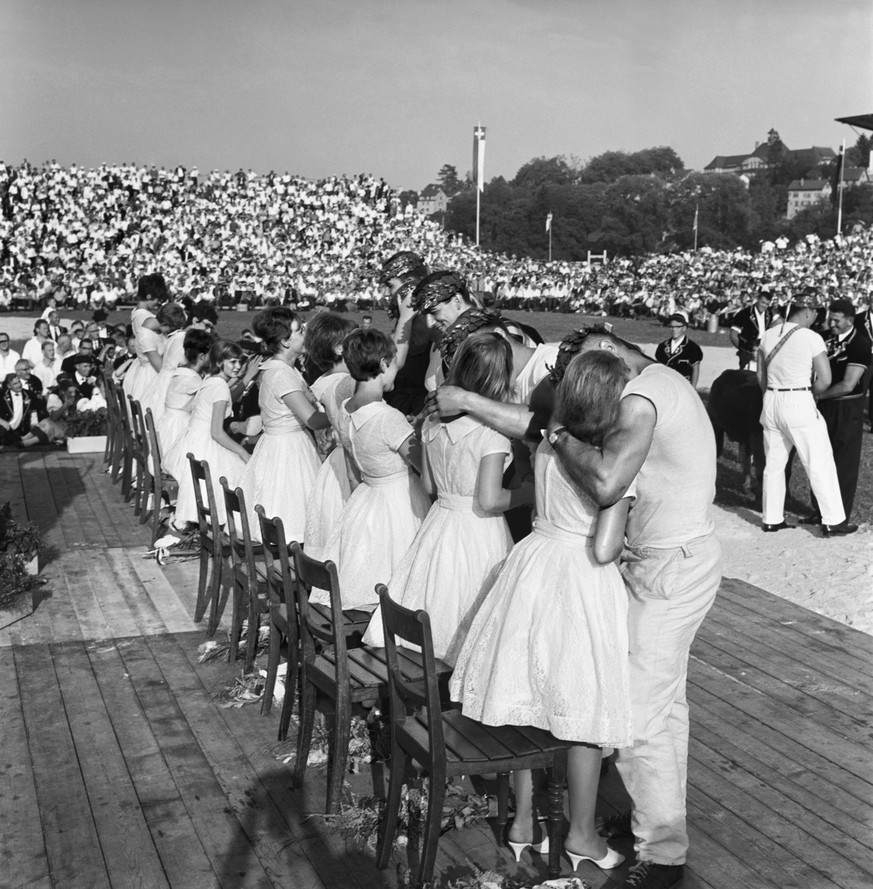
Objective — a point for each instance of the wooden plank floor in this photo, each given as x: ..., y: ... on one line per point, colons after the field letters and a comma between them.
x: 118, y: 769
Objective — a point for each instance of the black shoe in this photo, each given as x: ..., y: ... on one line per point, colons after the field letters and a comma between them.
x: 616, y: 826
x: 648, y: 875
x: 812, y: 519
x: 779, y: 527
x: 845, y: 527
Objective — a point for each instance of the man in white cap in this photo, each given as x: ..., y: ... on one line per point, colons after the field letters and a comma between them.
x: 793, y: 369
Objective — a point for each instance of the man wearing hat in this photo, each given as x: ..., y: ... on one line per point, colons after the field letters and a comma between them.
x: 749, y: 326
x: 679, y: 352
x: 793, y: 369
x: 842, y: 403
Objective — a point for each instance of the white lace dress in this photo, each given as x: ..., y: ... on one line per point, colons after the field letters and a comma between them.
x: 155, y: 396
x: 459, y: 549
x: 197, y: 439
x: 385, y: 511
x: 549, y: 645
x: 141, y: 376
x: 285, y: 461
x: 332, y: 488
x: 184, y: 385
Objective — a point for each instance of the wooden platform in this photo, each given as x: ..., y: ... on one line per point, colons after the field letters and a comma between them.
x: 118, y: 769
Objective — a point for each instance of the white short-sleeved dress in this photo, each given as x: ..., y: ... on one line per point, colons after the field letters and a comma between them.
x: 332, y: 488
x: 198, y: 439
x: 184, y: 385
x: 141, y: 376
x: 285, y: 461
x: 155, y: 397
x: 459, y: 549
x: 385, y: 511
x: 548, y: 646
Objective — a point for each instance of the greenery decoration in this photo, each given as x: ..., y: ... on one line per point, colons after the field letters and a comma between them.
x: 18, y: 545
x: 84, y: 423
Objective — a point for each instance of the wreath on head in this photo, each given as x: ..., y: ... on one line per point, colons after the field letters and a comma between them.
x: 570, y: 346
x: 464, y: 325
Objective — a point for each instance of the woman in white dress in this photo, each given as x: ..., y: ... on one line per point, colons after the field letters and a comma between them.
x: 152, y: 292
x: 171, y: 317
x: 464, y: 539
x: 184, y: 383
x: 324, y: 351
x: 285, y: 461
x: 206, y: 439
x: 549, y: 645
x: 385, y: 511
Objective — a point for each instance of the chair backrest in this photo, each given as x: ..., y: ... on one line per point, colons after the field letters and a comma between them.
x: 153, y: 444
x: 242, y: 552
x: 327, y: 629
x: 122, y: 414
x: 407, y: 693
x: 137, y: 428
x: 280, y: 577
x: 204, y: 497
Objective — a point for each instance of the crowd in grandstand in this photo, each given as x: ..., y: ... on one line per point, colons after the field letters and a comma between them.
x: 87, y: 235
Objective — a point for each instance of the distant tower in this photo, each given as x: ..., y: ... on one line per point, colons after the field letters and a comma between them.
x: 773, y: 137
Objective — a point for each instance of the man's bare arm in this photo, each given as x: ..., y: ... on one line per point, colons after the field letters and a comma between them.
x: 512, y: 420
x: 846, y: 386
x: 606, y: 473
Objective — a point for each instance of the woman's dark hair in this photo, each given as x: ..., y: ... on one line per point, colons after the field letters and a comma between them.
x: 587, y: 398
x: 196, y: 343
x: 364, y: 351
x: 201, y: 311
x: 483, y: 364
x: 152, y: 287
x: 272, y: 326
x: 171, y: 315
x: 220, y: 352
x: 324, y: 337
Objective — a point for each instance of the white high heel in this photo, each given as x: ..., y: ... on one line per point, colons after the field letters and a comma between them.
x: 517, y: 848
x: 608, y: 862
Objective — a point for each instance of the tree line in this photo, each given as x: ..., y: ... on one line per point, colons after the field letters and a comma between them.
x: 643, y: 202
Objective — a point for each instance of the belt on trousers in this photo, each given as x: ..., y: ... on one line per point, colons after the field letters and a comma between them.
x: 795, y: 389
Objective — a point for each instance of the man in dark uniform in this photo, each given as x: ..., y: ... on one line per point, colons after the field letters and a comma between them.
x: 679, y: 352
x: 749, y: 325
x: 842, y: 403
x: 864, y: 326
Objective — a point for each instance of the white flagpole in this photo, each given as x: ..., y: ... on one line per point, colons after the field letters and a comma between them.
x: 477, y: 215
x: 842, y: 168
x: 696, y: 211
x: 550, y: 241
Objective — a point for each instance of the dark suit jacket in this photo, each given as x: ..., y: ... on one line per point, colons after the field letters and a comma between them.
x: 748, y: 328
x: 29, y: 403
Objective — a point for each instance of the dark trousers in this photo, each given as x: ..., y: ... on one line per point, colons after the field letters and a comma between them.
x: 845, y: 422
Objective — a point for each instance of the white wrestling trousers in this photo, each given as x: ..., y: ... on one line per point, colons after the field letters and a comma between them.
x: 792, y: 418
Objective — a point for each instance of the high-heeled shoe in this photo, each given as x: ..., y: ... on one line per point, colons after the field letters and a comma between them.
x: 608, y: 862
x: 517, y: 848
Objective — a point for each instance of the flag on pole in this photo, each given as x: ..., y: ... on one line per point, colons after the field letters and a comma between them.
x: 696, y: 212
x: 479, y: 156
x: 837, y: 177
x: 549, y: 222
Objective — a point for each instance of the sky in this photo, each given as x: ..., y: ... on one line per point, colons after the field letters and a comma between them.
x: 395, y: 87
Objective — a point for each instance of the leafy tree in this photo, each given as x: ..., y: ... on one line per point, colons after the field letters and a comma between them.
x: 544, y: 171
x: 448, y: 179
x: 408, y: 197
x: 859, y: 154
x: 612, y: 165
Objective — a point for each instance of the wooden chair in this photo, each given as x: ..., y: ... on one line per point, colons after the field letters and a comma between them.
x: 162, y: 485
x: 138, y: 452
x: 284, y: 620
x: 334, y: 679
x: 214, y: 544
x: 124, y: 466
x: 449, y: 744
x: 248, y: 585
x: 112, y: 427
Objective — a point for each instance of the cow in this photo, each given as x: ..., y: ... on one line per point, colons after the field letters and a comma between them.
x: 734, y: 406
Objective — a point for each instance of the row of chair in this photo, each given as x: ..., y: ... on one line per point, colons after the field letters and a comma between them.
x: 328, y: 670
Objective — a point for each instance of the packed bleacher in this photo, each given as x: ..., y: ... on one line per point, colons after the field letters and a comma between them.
x: 87, y: 235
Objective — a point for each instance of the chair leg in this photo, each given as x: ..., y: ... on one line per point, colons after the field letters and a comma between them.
x: 304, y: 734
x: 436, y: 795
x: 236, y: 621
x: 556, y: 780
x: 254, y: 626
x: 217, y: 601
x: 392, y: 808
x: 272, y: 669
x: 339, y: 756
x: 502, y: 802
x: 147, y: 488
x: 157, y: 507
x: 200, y: 607
x: 291, y: 692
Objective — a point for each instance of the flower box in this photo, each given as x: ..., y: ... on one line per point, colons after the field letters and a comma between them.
x: 86, y: 444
